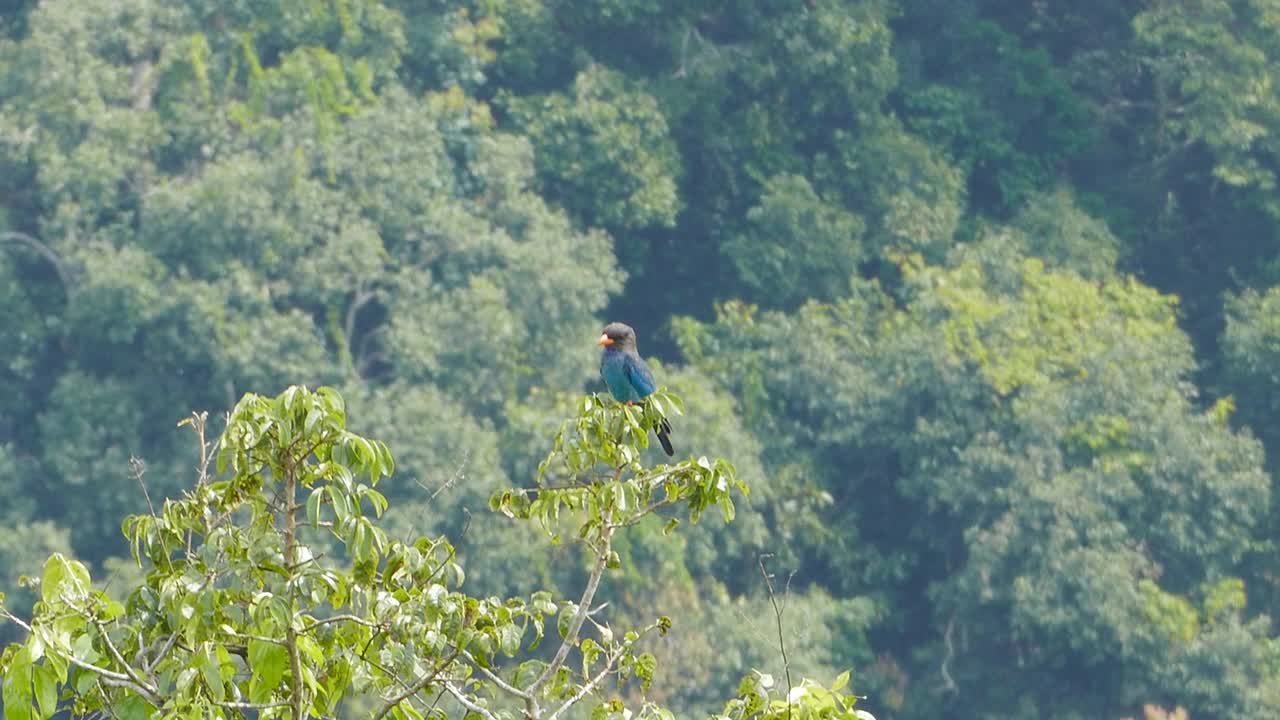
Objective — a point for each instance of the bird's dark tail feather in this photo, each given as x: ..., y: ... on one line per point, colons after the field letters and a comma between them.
x: 664, y: 437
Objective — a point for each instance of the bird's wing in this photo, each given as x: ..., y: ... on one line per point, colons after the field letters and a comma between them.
x: 613, y: 369
x: 639, y: 375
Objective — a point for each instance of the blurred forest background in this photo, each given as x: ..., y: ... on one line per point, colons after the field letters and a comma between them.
x: 982, y: 297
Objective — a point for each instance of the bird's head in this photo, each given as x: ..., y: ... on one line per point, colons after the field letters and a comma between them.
x: 618, y: 335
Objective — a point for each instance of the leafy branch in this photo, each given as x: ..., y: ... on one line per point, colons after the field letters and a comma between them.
x: 239, y: 613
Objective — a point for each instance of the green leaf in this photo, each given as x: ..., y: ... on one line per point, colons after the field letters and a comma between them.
x: 208, y: 667
x: 565, y: 619
x: 509, y: 639
x: 311, y: 649
x: 542, y: 602
x: 132, y: 707
x: 17, y: 687
x: 267, y: 662
x: 841, y: 681
x: 313, y: 418
x: 726, y: 508
x: 646, y: 666
x: 59, y: 571
x: 46, y: 686
x: 314, y: 501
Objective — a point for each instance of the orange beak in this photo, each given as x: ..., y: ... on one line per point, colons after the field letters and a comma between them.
x: 605, y: 340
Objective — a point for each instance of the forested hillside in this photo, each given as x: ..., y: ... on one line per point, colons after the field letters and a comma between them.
x: 982, y: 299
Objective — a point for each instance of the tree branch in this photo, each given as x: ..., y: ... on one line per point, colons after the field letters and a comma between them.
x: 44, y: 251
x: 110, y: 677
x: 387, y: 671
x: 777, y: 614
x: 591, y: 684
x: 415, y: 687
x: 342, y: 618
x: 250, y: 706
x: 298, y: 706
x: 168, y: 645
x: 949, y: 684
x: 358, y: 301
x: 141, y: 87
x: 584, y: 606
x: 467, y: 703
x: 147, y: 690
x: 497, y: 679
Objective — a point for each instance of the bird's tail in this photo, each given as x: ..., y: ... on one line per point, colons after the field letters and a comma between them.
x: 664, y: 437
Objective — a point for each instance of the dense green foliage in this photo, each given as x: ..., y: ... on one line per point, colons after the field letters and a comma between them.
x: 979, y: 296
x: 250, y: 605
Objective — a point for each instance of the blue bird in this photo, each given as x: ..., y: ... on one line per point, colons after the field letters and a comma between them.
x: 628, y: 377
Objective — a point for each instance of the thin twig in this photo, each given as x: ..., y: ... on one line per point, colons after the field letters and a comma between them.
x: 298, y: 704
x: 646, y: 512
x: 362, y: 296
x: 251, y: 706
x: 594, y: 683
x: 496, y: 678
x: 168, y: 645
x: 342, y: 618
x: 353, y: 354
x: 584, y: 605
x: 117, y: 656
x: 949, y: 684
x: 458, y: 475
x: 435, y: 703
x: 138, y: 468
x: 414, y: 688
x: 258, y: 638
x: 468, y: 704
x: 109, y: 677
x: 44, y: 251
x: 387, y: 671
x: 590, y: 685
x: 777, y: 614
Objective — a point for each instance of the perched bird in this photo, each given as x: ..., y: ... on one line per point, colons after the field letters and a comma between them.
x: 626, y: 374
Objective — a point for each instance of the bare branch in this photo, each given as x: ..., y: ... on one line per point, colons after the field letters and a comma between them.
x: 594, y: 682
x: 467, y: 703
x: 146, y: 689
x: 458, y: 475
x: 109, y: 677
x: 342, y: 618
x: 777, y: 614
x: 199, y: 421
x: 114, y: 681
x: 258, y: 638
x: 362, y: 296
x: 949, y: 684
x: 141, y: 86
x: 387, y: 671
x: 251, y: 706
x: 14, y: 619
x: 413, y: 688
x: 168, y: 645
x: 64, y: 274
x: 497, y: 679
x: 298, y: 703
x: 646, y: 512
x: 584, y: 606
x: 138, y: 468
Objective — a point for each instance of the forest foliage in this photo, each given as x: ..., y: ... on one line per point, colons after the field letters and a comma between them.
x: 978, y: 297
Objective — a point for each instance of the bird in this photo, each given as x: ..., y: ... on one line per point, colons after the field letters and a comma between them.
x: 626, y: 374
